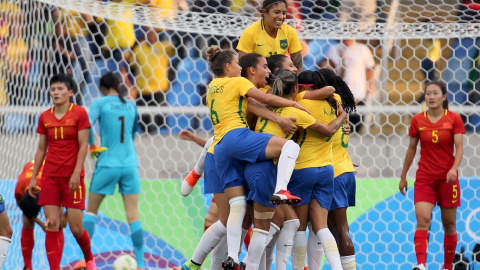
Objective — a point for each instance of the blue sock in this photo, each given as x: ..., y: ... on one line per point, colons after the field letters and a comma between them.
x: 89, y: 220
x: 137, y: 239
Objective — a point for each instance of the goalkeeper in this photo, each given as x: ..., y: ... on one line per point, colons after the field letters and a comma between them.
x: 117, y: 159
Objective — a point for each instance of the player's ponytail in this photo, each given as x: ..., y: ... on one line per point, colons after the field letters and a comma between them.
x: 348, y: 100
x: 443, y: 88
x: 283, y: 83
x: 247, y: 61
x: 110, y: 81
x: 326, y: 77
x: 218, y: 58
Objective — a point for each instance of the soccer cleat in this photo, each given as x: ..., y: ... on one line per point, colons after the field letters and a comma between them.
x: 189, y: 265
x: 80, y: 265
x: 230, y: 264
x: 419, y: 267
x: 189, y: 183
x: 242, y: 265
x: 284, y: 197
x: 96, y: 150
x: 91, y: 265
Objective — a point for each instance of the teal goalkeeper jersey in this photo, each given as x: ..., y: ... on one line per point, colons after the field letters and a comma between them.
x: 118, y: 125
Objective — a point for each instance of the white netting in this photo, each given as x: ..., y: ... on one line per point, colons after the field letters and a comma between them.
x: 42, y: 37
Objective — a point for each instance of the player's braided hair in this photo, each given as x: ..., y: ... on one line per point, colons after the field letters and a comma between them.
x: 218, y: 58
x: 110, y: 81
x: 283, y: 82
x: 348, y: 100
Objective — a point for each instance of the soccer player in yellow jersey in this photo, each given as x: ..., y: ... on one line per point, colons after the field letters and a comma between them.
x: 260, y: 175
x: 270, y: 36
x: 227, y: 100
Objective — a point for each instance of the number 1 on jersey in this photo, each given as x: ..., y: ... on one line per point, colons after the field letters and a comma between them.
x: 122, y: 128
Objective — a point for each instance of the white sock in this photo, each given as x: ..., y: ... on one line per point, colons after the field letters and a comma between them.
x: 238, y: 207
x: 210, y: 239
x: 201, y: 160
x: 330, y: 248
x: 299, y: 250
x: 286, y: 164
x: 4, y: 244
x: 285, y: 243
x: 256, y: 248
x: 348, y: 262
x: 219, y: 253
x: 314, y: 250
x: 242, y: 239
x: 274, y: 229
x: 271, y: 245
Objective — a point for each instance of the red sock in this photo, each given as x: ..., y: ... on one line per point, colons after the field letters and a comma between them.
x: 421, y: 241
x: 449, y: 246
x: 84, y: 243
x: 246, y: 241
x: 51, y: 245
x: 27, y: 241
x: 61, y: 243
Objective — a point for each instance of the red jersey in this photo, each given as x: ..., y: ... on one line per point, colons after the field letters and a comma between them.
x: 24, y: 179
x: 436, y: 142
x: 62, y: 139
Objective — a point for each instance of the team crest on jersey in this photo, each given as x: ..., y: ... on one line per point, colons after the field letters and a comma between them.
x: 1, y: 199
x: 283, y: 44
x: 447, y: 125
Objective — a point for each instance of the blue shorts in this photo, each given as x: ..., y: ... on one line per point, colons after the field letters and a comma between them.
x: 240, y: 144
x: 344, y: 191
x: 313, y: 183
x: 105, y: 180
x: 261, y: 178
x: 2, y: 204
x: 212, y: 182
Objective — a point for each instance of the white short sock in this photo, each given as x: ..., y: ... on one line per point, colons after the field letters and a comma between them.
x: 285, y: 243
x: 286, y: 164
x: 219, y: 253
x: 210, y: 239
x: 330, y: 248
x: 238, y: 207
x: 4, y: 244
x: 314, y: 250
x: 299, y: 250
x: 256, y: 248
x: 201, y: 160
x: 348, y: 262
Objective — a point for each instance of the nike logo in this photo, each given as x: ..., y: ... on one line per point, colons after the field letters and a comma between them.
x: 454, y: 201
x: 259, y: 45
x: 421, y: 128
x: 287, y: 245
x: 76, y: 202
x: 417, y: 244
x: 450, y: 251
x: 50, y: 252
x: 46, y: 124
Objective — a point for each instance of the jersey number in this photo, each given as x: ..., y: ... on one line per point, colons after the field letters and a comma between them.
x: 434, y: 136
x: 272, y: 53
x: 57, y: 131
x: 213, y: 113
x: 122, y: 128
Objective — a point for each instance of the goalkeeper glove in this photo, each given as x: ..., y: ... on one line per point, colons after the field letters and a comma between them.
x: 96, y: 150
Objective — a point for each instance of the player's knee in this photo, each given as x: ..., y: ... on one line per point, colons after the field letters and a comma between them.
x: 77, y: 229
x: 53, y: 224
x: 450, y: 227
x: 423, y: 222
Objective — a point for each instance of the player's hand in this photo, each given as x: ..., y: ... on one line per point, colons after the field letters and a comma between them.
x: 287, y: 125
x: 347, y: 129
x: 452, y: 175
x: 41, y: 224
x: 74, y: 182
x: 298, y: 106
x: 96, y: 150
x: 32, y: 188
x: 403, y: 185
x: 186, y: 135
x: 356, y: 166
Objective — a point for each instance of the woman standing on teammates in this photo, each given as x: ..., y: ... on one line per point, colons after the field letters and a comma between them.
x: 118, y: 165
x: 270, y: 36
x: 439, y: 131
x: 63, y: 131
x: 234, y: 141
x: 257, y: 174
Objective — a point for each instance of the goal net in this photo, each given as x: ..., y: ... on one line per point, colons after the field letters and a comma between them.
x: 157, y: 49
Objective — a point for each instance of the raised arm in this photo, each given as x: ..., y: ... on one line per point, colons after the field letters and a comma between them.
x: 409, y: 156
x: 330, y: 129
x: 297, y: 60
x: 286, y: 124
x: 321, y: 93
x: 273, y: 100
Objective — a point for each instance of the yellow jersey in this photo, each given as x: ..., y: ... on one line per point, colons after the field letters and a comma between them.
x: 255, y: 39
x: 304, y: 120
x: 315, y: 149
x: 151, y: 62
x: 227, y: 102
x: 341, y: 160
x: 119, y: 34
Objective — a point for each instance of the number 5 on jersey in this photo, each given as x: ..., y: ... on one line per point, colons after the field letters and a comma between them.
x: 434, y: 136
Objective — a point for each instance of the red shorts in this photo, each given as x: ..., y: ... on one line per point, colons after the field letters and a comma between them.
x: 437, y: 192
x: 54, y: 191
